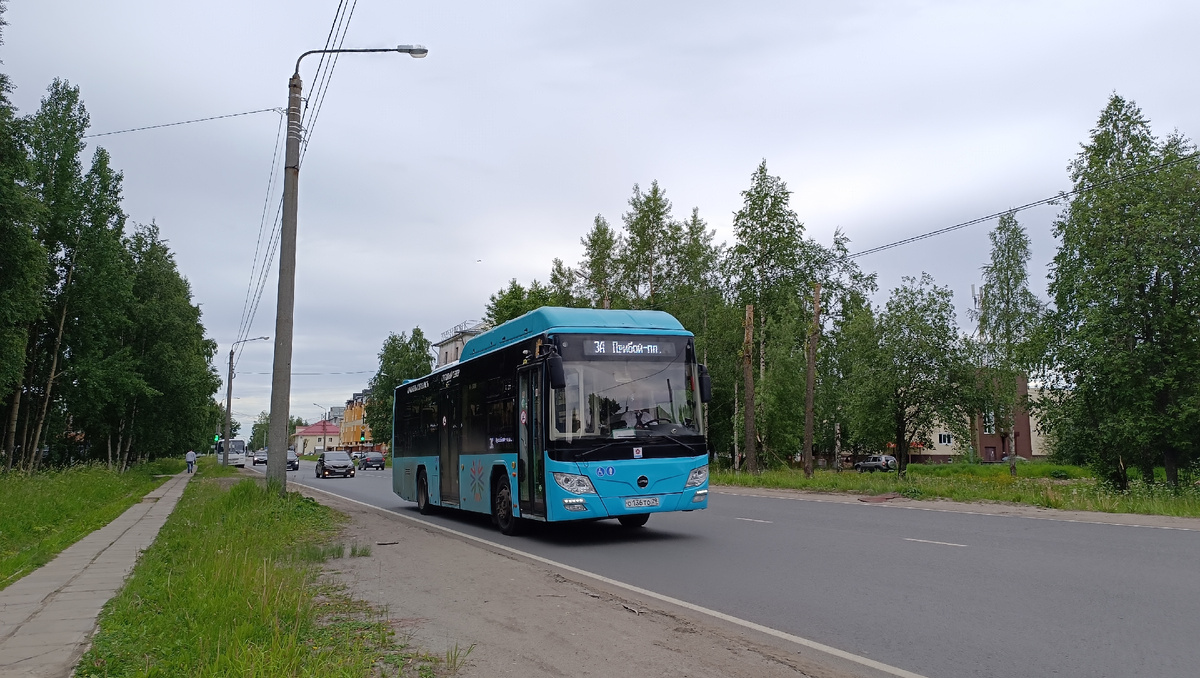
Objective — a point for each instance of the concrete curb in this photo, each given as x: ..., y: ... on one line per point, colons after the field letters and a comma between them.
x: 47, y: 617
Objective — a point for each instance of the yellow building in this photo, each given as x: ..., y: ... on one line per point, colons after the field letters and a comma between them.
x: 356, y: 435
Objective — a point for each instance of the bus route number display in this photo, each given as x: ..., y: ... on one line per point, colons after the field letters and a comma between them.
x: 634, y: 348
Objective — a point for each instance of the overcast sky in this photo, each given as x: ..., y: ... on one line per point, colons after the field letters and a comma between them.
x: 886, y: 119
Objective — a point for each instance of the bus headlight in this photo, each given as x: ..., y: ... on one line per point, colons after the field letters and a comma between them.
x: 575, y: 484
x: 697, y: 476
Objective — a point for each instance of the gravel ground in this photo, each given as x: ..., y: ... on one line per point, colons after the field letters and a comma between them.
x: 525, y: 619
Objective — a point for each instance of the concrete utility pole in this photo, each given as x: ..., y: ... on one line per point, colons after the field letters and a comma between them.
x: 810, y: 387
x: 748, y: 378
x: 281, y: 371
x: 229, y: 401
x: 228, y: 416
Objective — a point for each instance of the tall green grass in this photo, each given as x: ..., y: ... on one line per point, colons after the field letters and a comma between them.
x: 1037, y: 484
x: 230, y: 588
x: 43, y: 513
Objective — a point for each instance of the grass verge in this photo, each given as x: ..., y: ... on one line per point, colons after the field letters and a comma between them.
x: 43, y: 513
x: 1038, y: 484
x: 233, y: 586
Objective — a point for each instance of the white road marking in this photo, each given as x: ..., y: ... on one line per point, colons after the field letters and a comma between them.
x: 782, y: 635
x: 926, y: 541
x: 754, y: 520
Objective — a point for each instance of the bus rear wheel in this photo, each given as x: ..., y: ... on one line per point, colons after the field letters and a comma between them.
x: 423, y: 504
x: 636, y: 520
x: 502, y: 511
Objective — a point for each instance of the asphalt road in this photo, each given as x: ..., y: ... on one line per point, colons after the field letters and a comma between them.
x: 942, y: 594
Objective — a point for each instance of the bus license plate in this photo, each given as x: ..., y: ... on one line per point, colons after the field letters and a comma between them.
x: 641, y: 502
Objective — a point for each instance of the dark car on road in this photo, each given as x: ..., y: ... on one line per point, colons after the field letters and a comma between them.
x: 878, y: 462
x: 371, y: 460
x: 335, y: 463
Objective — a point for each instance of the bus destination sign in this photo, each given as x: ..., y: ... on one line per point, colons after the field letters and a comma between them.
x: 625, y: 347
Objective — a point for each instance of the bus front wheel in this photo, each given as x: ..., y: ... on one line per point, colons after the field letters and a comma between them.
x: 636, y: 520
x: 423, y: 504
x: 502, y: 509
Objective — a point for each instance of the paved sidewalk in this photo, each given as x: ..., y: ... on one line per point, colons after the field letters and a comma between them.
x: 47, y: 617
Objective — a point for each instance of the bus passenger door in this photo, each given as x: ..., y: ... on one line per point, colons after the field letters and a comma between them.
x: 448, y: 444
x: 531, y: 472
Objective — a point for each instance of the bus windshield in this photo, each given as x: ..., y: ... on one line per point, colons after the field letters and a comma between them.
x: 631, y: 398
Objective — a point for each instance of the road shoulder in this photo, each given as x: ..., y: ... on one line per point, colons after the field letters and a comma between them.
x: 524, y: 618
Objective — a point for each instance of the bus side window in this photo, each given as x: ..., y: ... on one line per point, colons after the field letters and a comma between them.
x: 426, y: 437
x: 501, y: 428
x: 474, y: 420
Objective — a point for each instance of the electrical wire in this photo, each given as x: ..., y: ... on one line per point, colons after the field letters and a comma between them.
x: 337, y: 34
x: 243, y: 325
x: 322, y: 86
x: 181, y: 122
x: 1036, y: 203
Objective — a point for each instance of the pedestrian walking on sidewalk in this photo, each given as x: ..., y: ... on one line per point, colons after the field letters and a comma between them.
x: 191, y: 460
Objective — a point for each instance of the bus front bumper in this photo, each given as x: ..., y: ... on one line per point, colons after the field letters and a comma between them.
x: 590, y: 506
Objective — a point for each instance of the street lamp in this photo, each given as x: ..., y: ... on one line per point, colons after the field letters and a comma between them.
x: 229, y: 397
x: 281, y: 371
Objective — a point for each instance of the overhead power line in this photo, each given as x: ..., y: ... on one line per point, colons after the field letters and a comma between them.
x: 260, y: 269
x: 1036, y: 203
x: 249, y: 307
x: 181, y: 122
x: 337, y: 33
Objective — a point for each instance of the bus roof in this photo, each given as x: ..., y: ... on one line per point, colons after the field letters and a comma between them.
x: 556, y: 318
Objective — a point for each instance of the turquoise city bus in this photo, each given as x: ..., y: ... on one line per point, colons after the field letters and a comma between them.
x: 560, y: 414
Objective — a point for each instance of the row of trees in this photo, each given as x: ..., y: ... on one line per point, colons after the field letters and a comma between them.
x: 1116, y: 355
x: 102, y: 353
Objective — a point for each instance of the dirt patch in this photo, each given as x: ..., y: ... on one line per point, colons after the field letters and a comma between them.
x: 525, y: 619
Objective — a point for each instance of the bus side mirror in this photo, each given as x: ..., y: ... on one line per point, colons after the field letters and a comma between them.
x: 558, y: 378
x: 705, y: 385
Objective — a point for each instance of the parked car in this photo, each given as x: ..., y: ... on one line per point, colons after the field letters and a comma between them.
x: 293, y: 462
x: 878, y: 462
x: 260, y: 457
x: 335, y: 463
x: 371, y: 460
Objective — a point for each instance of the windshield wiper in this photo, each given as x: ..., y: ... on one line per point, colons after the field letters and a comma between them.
x: 673, y: 439
x: 583, y: 455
